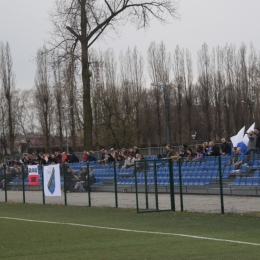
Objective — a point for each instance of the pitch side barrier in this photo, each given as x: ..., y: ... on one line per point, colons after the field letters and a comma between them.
x: 212, y: 184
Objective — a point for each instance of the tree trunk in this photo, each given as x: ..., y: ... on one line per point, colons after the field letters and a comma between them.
x: 87, y: 110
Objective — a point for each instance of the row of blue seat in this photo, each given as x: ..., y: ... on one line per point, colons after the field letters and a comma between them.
x: 246, y: 181
x: 19, y: 180
x: 211, y: 174
x: 165, y: 181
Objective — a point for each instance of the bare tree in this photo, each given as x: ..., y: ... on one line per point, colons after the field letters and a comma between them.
x: 59, y: 97
x: 43, y: 94
x: 132, y: 71
x: 70, y: 88
x: 8, y: 84
x: 85, y: 21
x: 205, y: 81
x: 178, y: 88
x: 159, y: 67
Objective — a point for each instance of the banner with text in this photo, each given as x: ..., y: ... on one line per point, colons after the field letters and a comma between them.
x: 32, y: 169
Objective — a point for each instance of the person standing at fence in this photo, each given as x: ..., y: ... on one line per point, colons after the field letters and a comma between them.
x: 257, y: 133
x: 251, y: 146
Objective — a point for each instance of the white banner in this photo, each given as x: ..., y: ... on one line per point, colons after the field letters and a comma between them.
x: 32, y: 169
x: 52, y: 180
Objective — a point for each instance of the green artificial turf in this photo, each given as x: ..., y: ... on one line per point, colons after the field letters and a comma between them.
x: 32, y: 240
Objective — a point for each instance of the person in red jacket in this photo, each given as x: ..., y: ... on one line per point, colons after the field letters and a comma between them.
x: 64, y: 157
x: 85, y: 156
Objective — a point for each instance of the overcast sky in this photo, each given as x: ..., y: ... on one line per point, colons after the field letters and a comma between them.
x: 24, y: 24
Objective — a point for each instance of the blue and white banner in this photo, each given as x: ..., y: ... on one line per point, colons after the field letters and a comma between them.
x: 238, y: 138
x: 241, y: 139
x: 52, y: 180
x: 32, y: 169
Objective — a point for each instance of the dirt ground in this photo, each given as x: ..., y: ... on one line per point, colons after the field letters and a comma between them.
x: 192, y: 203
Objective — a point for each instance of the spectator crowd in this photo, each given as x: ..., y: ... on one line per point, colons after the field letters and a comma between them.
x: 125, y: 158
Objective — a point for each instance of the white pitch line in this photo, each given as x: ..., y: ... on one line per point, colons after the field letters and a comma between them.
x: 134, y: 231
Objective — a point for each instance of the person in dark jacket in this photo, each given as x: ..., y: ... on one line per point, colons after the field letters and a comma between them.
x: 257, y: 133
x: 74, y: 158
x: 214, y: 149
x: 251, y: 146
x: 91, y: 157
x: 225, y: 147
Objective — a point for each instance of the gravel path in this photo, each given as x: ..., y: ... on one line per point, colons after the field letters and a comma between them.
x: 192, y: 203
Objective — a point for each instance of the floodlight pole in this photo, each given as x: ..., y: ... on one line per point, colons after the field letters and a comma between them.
x: 165, y: 92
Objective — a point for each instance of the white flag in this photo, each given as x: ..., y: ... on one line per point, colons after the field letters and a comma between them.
x: 238, y: 138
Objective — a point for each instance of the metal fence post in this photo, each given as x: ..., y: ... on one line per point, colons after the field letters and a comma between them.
x: 5, y: 183
x: 171, y: 185
x: 146, y: 188
x: 43, y: 195
x: 155, y: 185
x: 115, y: 185
x: 23, y: 184
x: 136, y: 187
x: 89, y: 197
x: 180, y: 180
x: 64, y: 188
x: 220, y: 185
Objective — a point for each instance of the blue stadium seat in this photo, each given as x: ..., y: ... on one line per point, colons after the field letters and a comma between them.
x: 208, y: 174
x: 207, y: 181
x: 225, y: 174
x: 160, y: 181
x: 185, y: 181
x: 196, y: 181
x: 202, y: 181
x: 176, y: 181
x: 198, y: 174
x: 166, y: 181
x: 191, y: 181
x: 132, y: 181
x: 214, y: 175
x: 255, y: 164
x: 249, y: 181
x: 257, y: 173
x: 193, y: 174
x: 203, y: 174
x: 244, y: 168
x: 250, y: 162
x: 236, y: 182
x: 151, y: 181
x: 243, y: 181
x: 256, y: 181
